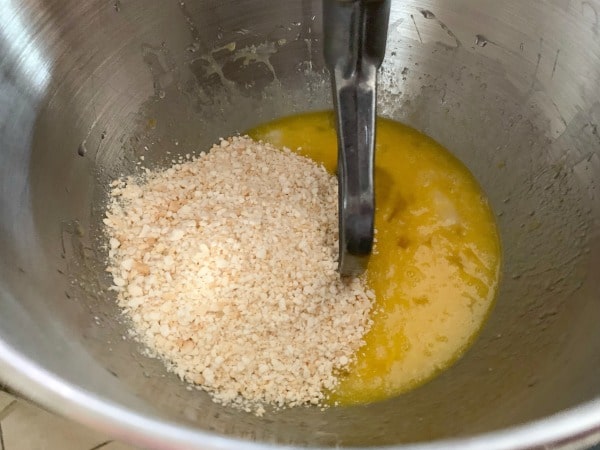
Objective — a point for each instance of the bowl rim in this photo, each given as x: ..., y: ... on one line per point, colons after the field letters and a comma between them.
x: 576, y: 427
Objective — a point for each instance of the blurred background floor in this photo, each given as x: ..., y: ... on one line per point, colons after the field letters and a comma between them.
x: 24, y: 426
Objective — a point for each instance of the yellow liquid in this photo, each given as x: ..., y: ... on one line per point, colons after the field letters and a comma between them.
x: 436, y: 263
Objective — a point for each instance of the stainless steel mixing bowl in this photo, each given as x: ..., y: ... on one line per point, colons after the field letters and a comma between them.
x: 511, y: 87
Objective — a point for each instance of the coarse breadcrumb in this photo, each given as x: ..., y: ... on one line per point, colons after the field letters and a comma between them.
x: 226, y: 266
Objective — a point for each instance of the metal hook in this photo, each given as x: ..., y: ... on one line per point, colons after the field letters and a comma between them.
x: 355, y: 33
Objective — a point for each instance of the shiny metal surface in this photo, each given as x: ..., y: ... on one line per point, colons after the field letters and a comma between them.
x: 354, y: 38
x: 511, y: 87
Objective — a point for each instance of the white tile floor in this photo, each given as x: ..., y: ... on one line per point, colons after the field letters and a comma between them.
x: 27, y: 427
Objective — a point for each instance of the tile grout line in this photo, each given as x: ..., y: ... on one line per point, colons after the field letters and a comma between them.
x: 3, y: 414
x: 8, y: 409
x: 97, y: 447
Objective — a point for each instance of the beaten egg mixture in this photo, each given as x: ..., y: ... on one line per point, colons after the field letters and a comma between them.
x: 436, y: 263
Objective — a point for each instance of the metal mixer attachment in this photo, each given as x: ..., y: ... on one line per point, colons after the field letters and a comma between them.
x: 355, y: 33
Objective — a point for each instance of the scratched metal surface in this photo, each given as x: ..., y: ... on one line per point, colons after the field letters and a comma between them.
x: 86, y: 87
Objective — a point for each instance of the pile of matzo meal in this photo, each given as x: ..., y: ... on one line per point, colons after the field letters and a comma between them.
x: 226, y: 265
